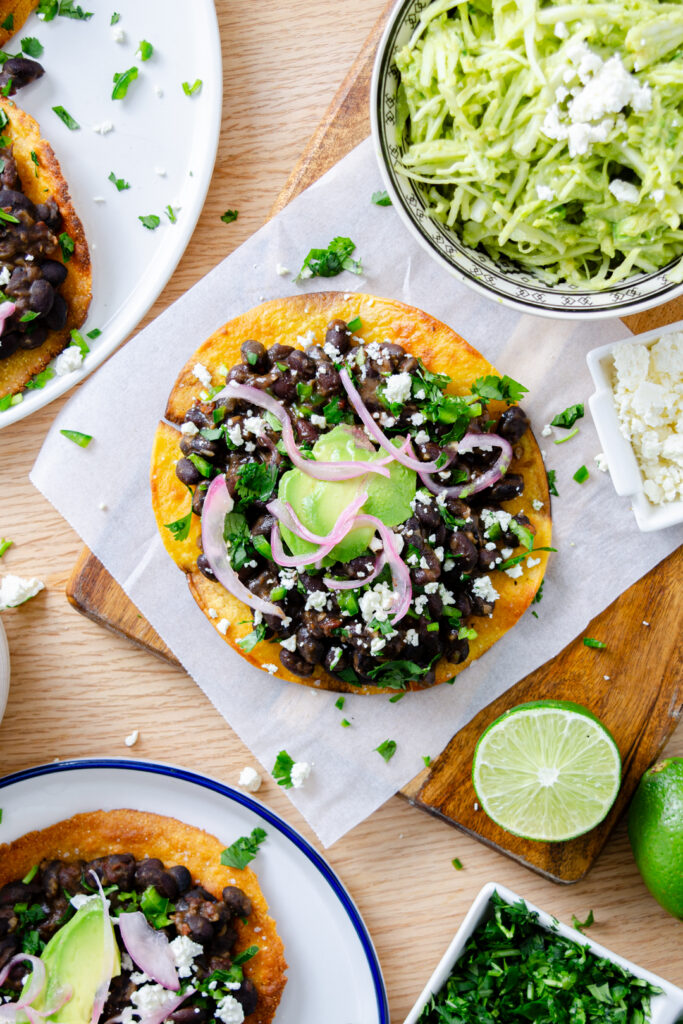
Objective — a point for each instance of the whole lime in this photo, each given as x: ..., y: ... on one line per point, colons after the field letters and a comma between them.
x: 655, y: 828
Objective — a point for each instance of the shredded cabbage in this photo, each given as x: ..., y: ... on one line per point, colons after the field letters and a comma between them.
x: 518, y: 115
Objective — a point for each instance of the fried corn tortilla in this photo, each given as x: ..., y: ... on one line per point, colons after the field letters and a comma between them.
x: 16, y: 370
x: 101, y: 833
x: 442, y: 351
x: 13, y: 14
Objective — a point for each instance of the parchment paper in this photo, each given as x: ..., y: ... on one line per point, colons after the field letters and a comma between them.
x: 601, y: 551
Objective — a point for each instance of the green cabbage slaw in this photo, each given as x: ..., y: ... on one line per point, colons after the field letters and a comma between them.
x: 477, y: 82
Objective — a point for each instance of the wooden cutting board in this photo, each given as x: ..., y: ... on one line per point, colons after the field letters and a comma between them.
x: 635, y: 685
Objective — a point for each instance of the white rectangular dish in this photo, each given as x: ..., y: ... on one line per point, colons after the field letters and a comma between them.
x: 623, y: 466
x: 666, y: 1008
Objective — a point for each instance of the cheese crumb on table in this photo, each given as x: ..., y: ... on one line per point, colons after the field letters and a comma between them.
x: 647, y: 385
x: 132, y: 738
x: 69, y: 360
x: 15, y: 591
x: 300, y: 772
x: 250, y: 779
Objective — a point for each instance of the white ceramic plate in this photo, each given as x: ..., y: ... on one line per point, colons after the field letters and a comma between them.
x: 4, y: 670
x: 334, y: 975
x: 171, y: 132
x: 666, y: 1008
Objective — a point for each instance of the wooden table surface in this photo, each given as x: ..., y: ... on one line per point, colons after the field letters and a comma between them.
x: 78, y: 691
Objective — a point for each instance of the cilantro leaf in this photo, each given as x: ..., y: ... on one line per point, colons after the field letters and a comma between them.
x: 387, y: 749
x: 499, y: 389
x: 552, y: 486
x: 150, y: 221
x: 67, y: 245
x: 282, y: 769
x: 330, y: 261
x: 243, y: 851
x: 70, y: 9
x: 246, y: 954
x: 115, y: 18
x: 396, y: 675
x: 580, y: 925
x: 121, y: 184
x: 32, y: 46
x: 180, y: 529
x: 569, y: 416
x: 229, y: 216
x: 8, y: 23
x: 237, y: 536
x: 156, y: 907
x: 255, y: 481
x: 66, y: 117
x: 257, y: 634
x: 122, y: 81
x: 381, y: 198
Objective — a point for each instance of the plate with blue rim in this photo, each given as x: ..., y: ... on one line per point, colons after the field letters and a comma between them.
x: 333, y: 975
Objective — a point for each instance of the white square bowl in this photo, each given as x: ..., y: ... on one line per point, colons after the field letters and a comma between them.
x: 666, y: 1008
x: 623, y: 465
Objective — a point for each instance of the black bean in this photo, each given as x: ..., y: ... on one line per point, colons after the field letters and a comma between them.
x: 199, y: 929
x: 205, y: 568
x: 408, y: 364
x: 196, y: 416
x: 187, y: 472
x: 48, y: 212
x: 464, y: 550
x: 463, y: 603
x: 19, y: 892
x: 183, y: 878
x: 263, y: 526
x: 240, y: 373
x: 254, y: 355
x: 487, y: 559
x: 295, y: 663
x: 339, y: 335
x: 327, y: 380
x: 457, y: 650
x: 305, y: 431
x: 310, y: 649
x: 390, y: 356
x: 302, y: 364
x: 198, y: 445
x: 237, y: 902
x: 507, y: 488
x: 189, y: 1015
x: 512, y: 424
x: 428, y: 573
x: 117, y: 869
x: 54, y: 272
x: 41, y: 296
x: 318, y: 353
x: 34, y: 338
x: 284, y: 388
x: 278, y: 353
x: 19, y: 71
x: 247, y: 995
x: 335, y: 662
x: 9, y: 343
x: 428, y: 515
x: 15, y: 201
x: 56, y: 318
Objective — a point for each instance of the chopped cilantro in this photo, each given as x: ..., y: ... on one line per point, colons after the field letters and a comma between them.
x: 457, y: 863
x: 5, y: 402
x: 192, y: 90
x: 248, y: 643
x: 516, y: 559
x: 95, y: 333
x: 180, y: 529
x: 39, y: 380
x: 10, y: 218
x: 32, y: 46
x: 237, y: 536
x: 588, y: 641
x: 282, y: 769
x: 247, y: 954
x: 150, y: 221
x: 568, y: 417
x: 82, y: 440
x: 381, y: 198
x: 561, y: 440
x: 34, y: 158
x: 427, y: 760
x: 348, y: 602
x: 396, y: 674
x: 8, y: 23
x: 5, y: 545
x: 355, y: 324
x: 121, y: 183
x: 115, y: 18
x: 171, y: 214
x: 332, y: 412
x: 66, y: 9
x: 580, y: 925
x: 581, y: 475
x: 538, y: 596
x: 243, y: 851
x: 67, y: 245
x: 122, y: 80
x: 66, y: 117
x: 330, y: 261
x: 552, y: 485
x: 345, y: 723
x: 500, y: 389
x: 339, y: 703
x: 30, y: 875
x: 7, y: 87
x: 387, y: 749
x: 262, y: 547
x: 278, y: 593
x: 156, y: 907
x: 145, y: 50
x: 229, y: 216
x: 28, y: 316
x: 256, y: 481
x: 523, y: 534
x: 202, y: 466
x: 78, y: 340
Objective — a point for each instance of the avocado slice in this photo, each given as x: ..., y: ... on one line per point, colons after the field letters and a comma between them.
x: 319, y: 503
x: 75, y: 958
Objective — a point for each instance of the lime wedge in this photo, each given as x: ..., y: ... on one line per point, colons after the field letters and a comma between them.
x: 548, y: 770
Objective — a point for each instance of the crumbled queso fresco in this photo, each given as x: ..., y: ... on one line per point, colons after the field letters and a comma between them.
x: 647, y: 383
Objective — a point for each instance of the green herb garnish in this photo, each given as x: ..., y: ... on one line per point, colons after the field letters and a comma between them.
x: 339, y: 703
x: 229, y: 216
x: 355, y: 324
x: 580, y: 925
x: 345, y: 723
x: 396, y: 675
x: 180, y: 529
x: 171, y: 214
x: 115, y: 18
x: 499, y: 389
x: 255, y: 481
x: 387, y: 749
x: 80, y: 342
x: 282, y: 769
x: 39, y: 380
x: 588, y: 641
x: 8, y: 23
x: 248, y: 642
x: 156, y: 907
x: 561, y: 440
x: 457, y: 863
x: 34, y: 158
x: 581, y: 475
x: 82, y: 440
x: 330, y: 261
x: 262, y: 546
x: 5, y: 545
x: 552, y: 486
x: 32, y: 46
x: 243, y: 850
x: 568, y: 417
x: 67, y: 245
x: 10, y: 218
x: 427, y: 760
x: 28, y: 316
x: 145, y: 50
x: 247, y: 954
x: 122, y: 81
x: 150, y: 221
x: 66, y: 117
x: 381, y: 198
x: 191, y: 90
x: 65, y: 8
x: 120, y: 183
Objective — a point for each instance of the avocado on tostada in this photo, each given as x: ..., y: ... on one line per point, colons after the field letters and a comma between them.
x: 354, y: 493
x: 45, y: 272
x: 129, y: 917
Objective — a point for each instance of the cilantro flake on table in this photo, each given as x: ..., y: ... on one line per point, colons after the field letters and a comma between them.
x: 568, y: 417
x: 31, y: 46
x: 122, y: 81
x: 95, y: 333
x: 229, y: 216
x: 282, y: 769
x: 345, y: 723
x: 150, y: 221
x: 82, y: 440
x: 552, y: 485
x: 457, y: 863
x: 427, y: 760
x: 115, y: 18
x: 5, y: 545
x: 67, y: 245
x: 66, y: 117
x: 145, y: 49
x: 381, y: 198
x: 192, y: 90
x: 387, y: 749
x: 339, y: 703
x: 243, y: 851
x: 120, y: 183
x: 581, y: 475
x: 330, y: 261
x: 171, y: 214
x: 580, y: 925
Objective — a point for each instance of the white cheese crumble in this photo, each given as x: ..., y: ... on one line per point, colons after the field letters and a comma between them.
x: 497, y: 517
x: 117, y: 34
x: 222, y: 626
x: 132, y: 738
x: 648, y: 394
x: 600, y: 461
x: 417, y: 419
x: 69, y: 360
x: 281, y: 270
x: 161, y: 171
x: 484, y: 589
x: 536, y: 504
x: 377, y: 644
x: 184, y: 951
x: 398, y: 387
x: 189, y: 429
x: 270, y: 668
x: 515, y: 571
x: 561, y: 30
x: 377, y: 603
x: 317, y: 600
x: 412, y: 637
x: 531, y: 562
x: 421, y: 437
x: 126, y: 962
x: 318, y: 421
x: 149, y: 999
x: 202, y: 374
x: 229, y: 1010
x: 545, y: 193
x: 547, y: 430
x: 14, y: 590
x: 624, y: 191
x: 4, y: 277
x: 212, y: 613
x: 103, y: 128
x: 235, y: 435
x: 300, y: 772
x: 250, y: 779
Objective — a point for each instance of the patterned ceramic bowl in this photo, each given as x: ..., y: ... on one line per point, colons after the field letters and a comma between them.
x: 500, y: 280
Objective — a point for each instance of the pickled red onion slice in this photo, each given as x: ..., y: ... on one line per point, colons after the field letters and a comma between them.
x: 399, y: 570
x: 468, y: 443
x: 380, y: 561
x: 149, y: 949
x: 284, y: 512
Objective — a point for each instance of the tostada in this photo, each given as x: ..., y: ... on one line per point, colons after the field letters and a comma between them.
x: 127, y: 917
x: 45, y: 273
x: 355, y: 496
x: 13, y: 14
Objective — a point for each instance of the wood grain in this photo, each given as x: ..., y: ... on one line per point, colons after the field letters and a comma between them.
x: 78, y: 690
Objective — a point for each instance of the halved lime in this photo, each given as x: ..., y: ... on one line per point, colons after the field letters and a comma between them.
x: 548, y: 770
